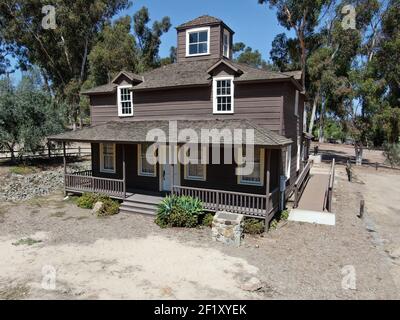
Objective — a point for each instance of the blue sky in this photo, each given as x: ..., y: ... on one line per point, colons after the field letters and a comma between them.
x: 255, y: 25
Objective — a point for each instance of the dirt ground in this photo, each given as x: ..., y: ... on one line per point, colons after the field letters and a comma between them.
x: 130, y: 257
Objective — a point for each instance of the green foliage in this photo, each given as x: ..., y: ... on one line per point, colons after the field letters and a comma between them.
x: 246, y: 55
x: 87, y: 200
x: 392, y: 153
x: 27, y: 241
x: 176, y: 211
x: 110, y: 207
x: 181, y: 218
x: 27, y: 114
x: 280, y: 216
x: 22, y: 169
x: 207, y: 220
x: 253, y: 226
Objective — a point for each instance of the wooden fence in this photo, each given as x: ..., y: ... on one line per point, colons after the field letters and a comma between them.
x: 47, y: 153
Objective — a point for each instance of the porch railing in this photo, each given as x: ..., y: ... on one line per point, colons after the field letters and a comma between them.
x: 301, y: 183
x: 254, y: 205
x: 83, y: 181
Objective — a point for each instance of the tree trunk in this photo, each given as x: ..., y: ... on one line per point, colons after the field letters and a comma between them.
x: 321, y: 122
x: 359, y: 153
x: 313, y: 111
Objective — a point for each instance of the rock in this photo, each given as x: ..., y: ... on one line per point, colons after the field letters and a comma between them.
x: 395, y: 254
x: 97, y: 207
x: 253, y: 284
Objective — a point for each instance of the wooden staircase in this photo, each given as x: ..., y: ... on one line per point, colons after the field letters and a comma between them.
x: 139, y: 203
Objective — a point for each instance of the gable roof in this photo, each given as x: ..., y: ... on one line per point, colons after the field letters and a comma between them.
x: 130, y: 75
x: 196, y: 73
x: 226, y: 63
x: 202, y: 20
x: 136, y: 131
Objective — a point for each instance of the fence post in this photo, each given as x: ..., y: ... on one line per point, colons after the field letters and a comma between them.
x: 48, y: 150
x: 65, y: 167
x: 79, y: 151
x: 123, y: 170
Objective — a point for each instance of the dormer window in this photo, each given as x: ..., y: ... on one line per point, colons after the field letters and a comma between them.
x: 125, y: 101
x: 198, y: 42
x: 226, y: 42
x: 223, y: 94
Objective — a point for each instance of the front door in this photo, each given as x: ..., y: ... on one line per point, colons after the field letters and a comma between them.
x: 166, y: 174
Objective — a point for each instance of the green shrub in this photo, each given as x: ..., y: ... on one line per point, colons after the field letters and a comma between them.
x: 22, y: 169
x: 283, y: 215
x: 253, y: 226
x: 392, y: 154
x: 164, y: 209
x: 207, y: 220
x: 176, y: 211
x: 87, y: 200
x: 180, y: 218
x: 109, y: 207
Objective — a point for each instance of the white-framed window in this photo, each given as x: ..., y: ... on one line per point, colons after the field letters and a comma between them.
x: 256, y: 178
x: 107, y: 157
x: 223, y: 94
x: 296, y: 104
x: 288, y: 161
x: 146, y: 167
x: 125, y: 101
x: 198, y: 41
x: 226, y: 43
x: 196, y: 168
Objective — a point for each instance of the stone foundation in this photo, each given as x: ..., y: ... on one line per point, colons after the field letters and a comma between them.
x: 228, y: 228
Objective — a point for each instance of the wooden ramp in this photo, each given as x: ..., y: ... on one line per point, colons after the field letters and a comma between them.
x: 314, y: 194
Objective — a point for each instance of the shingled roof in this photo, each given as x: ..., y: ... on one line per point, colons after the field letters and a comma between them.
x: 202, y: 20
x: 136, y: 131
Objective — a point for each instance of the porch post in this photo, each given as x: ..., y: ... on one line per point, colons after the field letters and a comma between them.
x: 171, y: 152
x: 123, y: 170
x: 65, y: 167
x: 267, y: 183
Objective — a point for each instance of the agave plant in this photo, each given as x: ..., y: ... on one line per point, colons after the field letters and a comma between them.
x: 192, y: 206
x: 166, y: 206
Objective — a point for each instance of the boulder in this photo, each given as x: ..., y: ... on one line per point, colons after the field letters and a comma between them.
x: 252, y: 284
x: 97, y: 207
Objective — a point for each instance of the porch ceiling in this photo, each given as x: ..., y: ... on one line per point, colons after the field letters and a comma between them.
x: 136, y: 131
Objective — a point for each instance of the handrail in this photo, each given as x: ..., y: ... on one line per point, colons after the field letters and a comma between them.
x: 301, y: 182
x: 329, y: 189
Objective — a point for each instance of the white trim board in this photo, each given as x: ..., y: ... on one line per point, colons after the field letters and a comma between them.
x: 315, y: 217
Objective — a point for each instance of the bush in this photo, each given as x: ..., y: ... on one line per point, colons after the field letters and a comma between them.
x: 253, y: 226
x: 392, y: 154
x: 87, y: 200
x: 207, y: 220
x: 176, y: 211
x: 109, y: 207
x: 283, y: 215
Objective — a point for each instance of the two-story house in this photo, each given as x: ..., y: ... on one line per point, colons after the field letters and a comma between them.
x: 204, y: 89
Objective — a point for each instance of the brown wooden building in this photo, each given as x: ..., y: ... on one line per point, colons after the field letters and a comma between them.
x: 204, y: 89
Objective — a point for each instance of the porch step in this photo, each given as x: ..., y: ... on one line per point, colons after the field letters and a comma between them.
x: 141, y: 204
